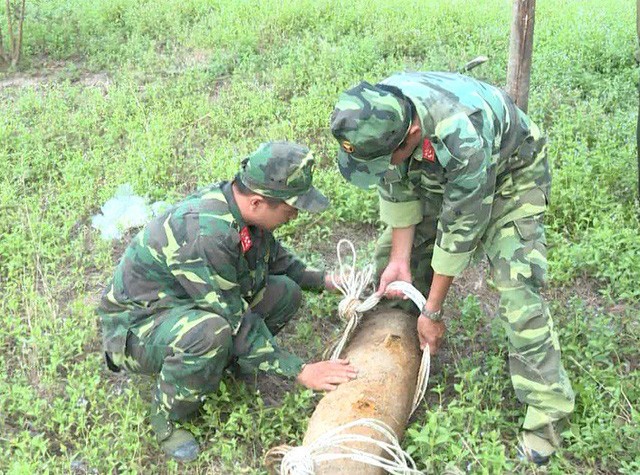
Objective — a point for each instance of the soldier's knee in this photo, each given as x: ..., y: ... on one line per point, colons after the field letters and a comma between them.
x: 283, y: 289
x: 292, y: 296
x: 295, y: 294
x: 210, y: 338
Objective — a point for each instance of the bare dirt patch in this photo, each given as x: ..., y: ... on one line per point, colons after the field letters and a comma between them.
x: 474, y: 281
x: 21, y: 80
x: 193, y: 58
x: 55, y: 73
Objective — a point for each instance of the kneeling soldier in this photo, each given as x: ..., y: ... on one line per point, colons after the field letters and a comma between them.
x: 206, y: 286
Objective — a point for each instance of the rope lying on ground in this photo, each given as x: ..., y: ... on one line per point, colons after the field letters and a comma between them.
x: 331, y: 446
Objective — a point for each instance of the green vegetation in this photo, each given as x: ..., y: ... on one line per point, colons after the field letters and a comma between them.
x: 168, y: 95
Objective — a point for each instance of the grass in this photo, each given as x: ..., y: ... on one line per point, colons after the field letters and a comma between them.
x: 169, y: 95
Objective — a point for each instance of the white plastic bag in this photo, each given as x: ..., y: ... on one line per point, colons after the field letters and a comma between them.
x: 125, y: 211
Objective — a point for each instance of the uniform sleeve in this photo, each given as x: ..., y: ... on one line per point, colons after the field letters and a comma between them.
x: 468, y: 192
x: 206, y: 268
x: 256, y: 350
x: 282, y: 261
x: 400, y: 205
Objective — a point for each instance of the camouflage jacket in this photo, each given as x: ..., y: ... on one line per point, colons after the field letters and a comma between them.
x: 192, y: 256
x: 473, y: 135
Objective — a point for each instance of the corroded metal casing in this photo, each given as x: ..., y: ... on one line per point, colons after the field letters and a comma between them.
x: 386, y: 351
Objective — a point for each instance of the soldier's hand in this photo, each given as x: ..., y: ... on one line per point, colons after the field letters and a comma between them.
x: 396, y: 270
x: 328, y: 281
x: 431, y: 333
x: 326, y: 375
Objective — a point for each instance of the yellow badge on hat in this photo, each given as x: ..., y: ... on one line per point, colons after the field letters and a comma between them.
x: 347, y: 146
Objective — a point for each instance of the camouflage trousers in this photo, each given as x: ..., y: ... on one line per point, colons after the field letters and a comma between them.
x: 516, y: 250
x: 188, y: 348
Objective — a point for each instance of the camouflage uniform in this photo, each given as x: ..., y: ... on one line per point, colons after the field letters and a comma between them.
x: 478, y: 184
x: 198, y: 289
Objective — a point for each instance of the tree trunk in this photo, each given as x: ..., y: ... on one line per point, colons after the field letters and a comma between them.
x: 520, y: 49
x: 18, y: 44
x: 10, y: 52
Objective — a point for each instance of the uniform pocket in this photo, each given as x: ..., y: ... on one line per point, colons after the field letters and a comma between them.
x: 526, y: 153
x: 245, y: 282
x: 531, y: 228
x: 529, y: 263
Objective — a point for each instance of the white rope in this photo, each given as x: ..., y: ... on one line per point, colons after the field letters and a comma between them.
x: 423, y: 379
x: 331, y: 446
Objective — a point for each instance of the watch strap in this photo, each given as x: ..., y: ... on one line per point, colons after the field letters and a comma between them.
x: 434, y: 316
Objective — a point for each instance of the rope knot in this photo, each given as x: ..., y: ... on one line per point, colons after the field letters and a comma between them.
x: 347, y: 307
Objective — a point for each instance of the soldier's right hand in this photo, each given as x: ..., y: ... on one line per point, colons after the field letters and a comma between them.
x: 396, y: 270
x: 326, y: 375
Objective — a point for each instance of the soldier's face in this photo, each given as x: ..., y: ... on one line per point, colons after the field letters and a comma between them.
x: 271, y: 217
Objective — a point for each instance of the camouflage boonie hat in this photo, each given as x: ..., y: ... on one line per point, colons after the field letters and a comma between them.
x: 283, y: 170
x: 369, y: 122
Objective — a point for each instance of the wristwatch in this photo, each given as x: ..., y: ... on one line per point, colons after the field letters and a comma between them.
x: 433, y: 316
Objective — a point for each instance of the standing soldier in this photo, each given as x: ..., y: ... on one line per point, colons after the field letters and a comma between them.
x: 461, y: 170
x: 206, y: 286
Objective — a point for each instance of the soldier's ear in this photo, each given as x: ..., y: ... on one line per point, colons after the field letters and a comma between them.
x: 255, y: 202
x: 415, y: 128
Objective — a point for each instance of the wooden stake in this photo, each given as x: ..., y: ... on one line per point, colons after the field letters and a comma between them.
x: 520, y: 49
x: 638, y: 123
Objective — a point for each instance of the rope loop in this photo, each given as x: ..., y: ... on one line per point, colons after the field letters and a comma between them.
x: 351, y: 282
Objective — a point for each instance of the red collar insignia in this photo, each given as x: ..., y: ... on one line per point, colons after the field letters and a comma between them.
x: 428, y: 152
x: 245, y: 239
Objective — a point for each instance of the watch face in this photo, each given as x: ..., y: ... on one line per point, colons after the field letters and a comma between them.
x: 435, y: 316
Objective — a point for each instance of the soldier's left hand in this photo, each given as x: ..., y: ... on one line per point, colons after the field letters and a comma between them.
x: 328, y: 282
x: 326, y: 375
x: 431, y: 333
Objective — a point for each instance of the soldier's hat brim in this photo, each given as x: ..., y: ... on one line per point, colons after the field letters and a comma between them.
x: 312, y: 201
x: 365, y: 174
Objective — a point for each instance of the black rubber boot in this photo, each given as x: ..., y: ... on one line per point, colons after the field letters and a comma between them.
x: 179, y: 444
x: 538, y: 446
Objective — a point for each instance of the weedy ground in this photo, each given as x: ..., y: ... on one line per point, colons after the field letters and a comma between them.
x: 169, y: 95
